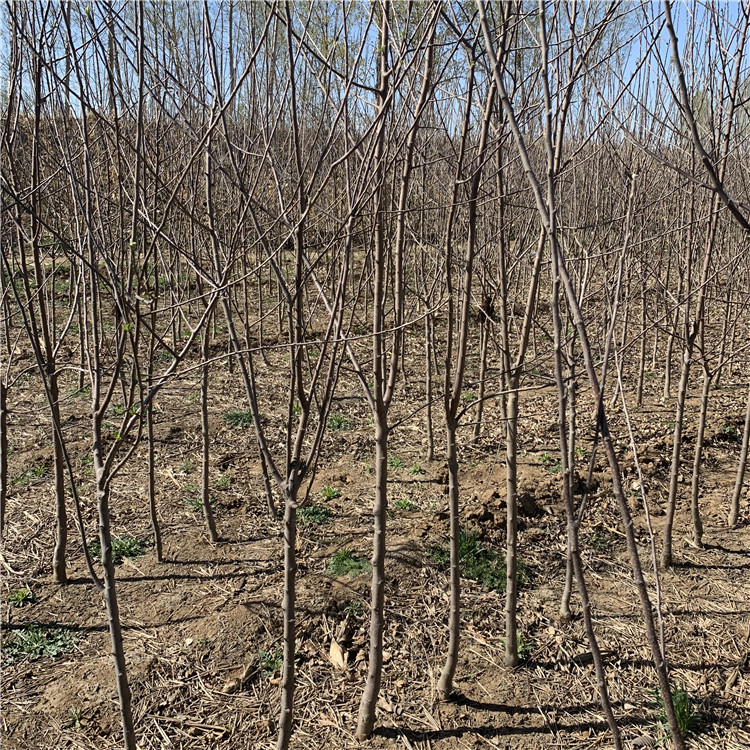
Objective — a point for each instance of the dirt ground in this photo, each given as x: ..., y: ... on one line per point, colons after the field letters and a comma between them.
x: 202, y: 630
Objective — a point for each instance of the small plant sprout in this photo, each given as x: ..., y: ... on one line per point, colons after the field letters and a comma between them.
x: 186, y: 467
x: 270, y: 661
x: 688, y: 719
x: 344, y: 563
x: 20, y: 598
x: 329, y: 493
x: 394, y: 462
x: 122, y: 547
x: 313, y: 514
x: 525, y: 647
x: 195, y: 502
x: 549, y: 463
x: 224, y: 482
x: 730, y: 433
x: 405, y: 504
x: 354, y: 609
x: 35, y: 474
x: 36, y: 640
x: 416, y: 469
x: 338, y: 422
x: 599, y: 542
x: 239, y: 418
x: 74, y: 719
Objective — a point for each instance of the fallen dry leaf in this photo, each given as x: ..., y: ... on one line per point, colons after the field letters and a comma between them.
x: 336, y: 655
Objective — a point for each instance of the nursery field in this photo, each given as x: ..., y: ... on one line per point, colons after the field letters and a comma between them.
x: 202, y: 629
x: 374, y: 375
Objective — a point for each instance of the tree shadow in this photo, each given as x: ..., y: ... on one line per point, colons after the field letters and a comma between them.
x: 554, y: 728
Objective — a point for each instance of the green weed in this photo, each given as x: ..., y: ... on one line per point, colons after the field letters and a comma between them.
x: 31, y: 476
x: 329, y: 493
x: 478, y: 563
x: 525, y: 648
x: 354, y: 609
x: 224, y: 482
x: 270, y: 661
x: 688, y: 719
x: 405, y: 504
x: 344, y: 563
x: 74, y: 719
x: 730, y: 433
x: 122, y: 547
x: 338, y: 422
x: 416, y: 469
x: 195, y: 502
x: 239, y: 418
x: 549, y: 463
x: 36, y: 640
x: 599, y: 542
x: 313, y: 514
x: 394, y: 462
x: 20, y: 598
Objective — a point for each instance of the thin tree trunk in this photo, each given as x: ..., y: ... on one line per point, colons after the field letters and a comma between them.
x: 445, y: 683
x: 150, y: 441
x: 429, y: 343
x: 511, y: 531
x: 3, y: 454
x: 699, y: 440
x: 734, y: 505
x: 113, y: 611
x: 366, y: 720
x: 642, y: 356
x: 61, y: 537
x: 288, y: 608
x: 208, y: 513
x: 567, y: 468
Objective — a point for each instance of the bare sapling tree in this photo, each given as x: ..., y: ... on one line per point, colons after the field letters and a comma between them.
x: 694, y: 325
x: 458, y: 310
x: 546, y: 209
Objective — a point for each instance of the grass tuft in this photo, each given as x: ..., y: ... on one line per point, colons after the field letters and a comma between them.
x: 329, y: 493
x: 344, y: 563
x: 688, y: 719
x: 313, y: 514
x: 239, y: 418
x: 338, y: 422
x: 478, y: 563
x: 122, y: 547
x: 20, y: 598
x: 36, y: 640
x: 270, y: 661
